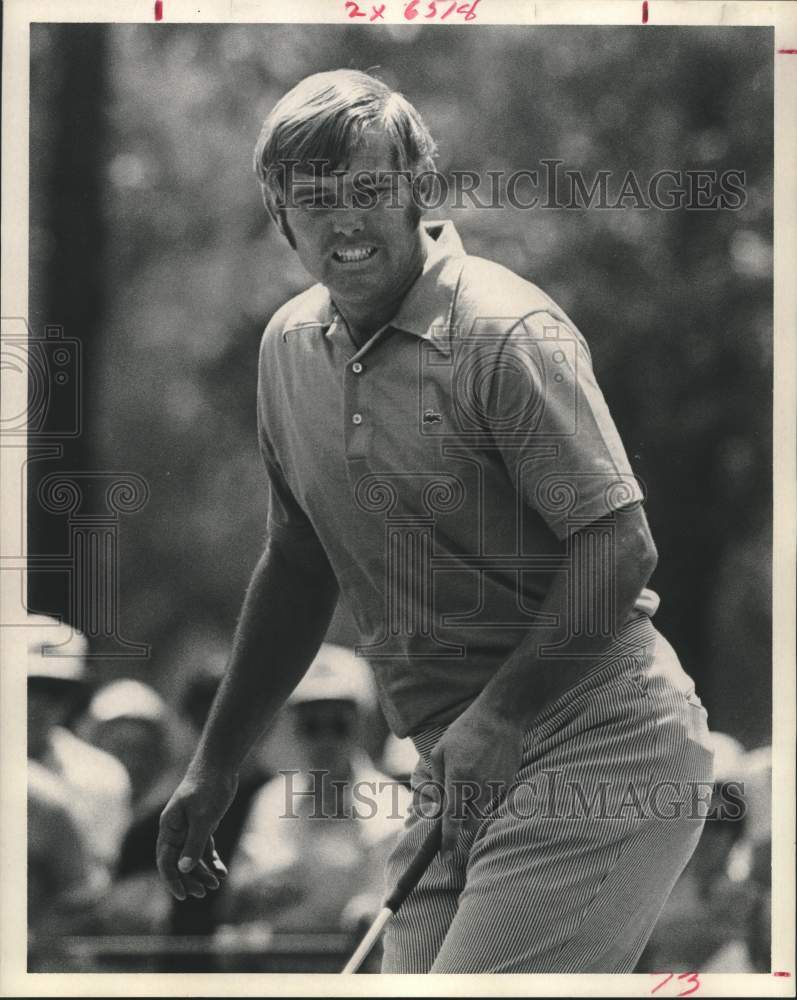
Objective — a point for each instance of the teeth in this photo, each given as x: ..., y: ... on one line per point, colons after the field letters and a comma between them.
x: 349, y: 256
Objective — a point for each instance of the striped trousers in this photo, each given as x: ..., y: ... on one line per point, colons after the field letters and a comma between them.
x: 569, y: 870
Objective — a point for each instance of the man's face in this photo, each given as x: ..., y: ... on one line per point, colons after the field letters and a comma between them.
x: 361, y: 253
x: 327, y: 734
x: 138, y: 744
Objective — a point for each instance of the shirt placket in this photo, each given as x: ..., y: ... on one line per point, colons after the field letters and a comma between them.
x: 358, y: 395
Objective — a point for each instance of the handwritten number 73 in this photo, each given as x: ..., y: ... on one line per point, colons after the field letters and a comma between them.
x: 691, y: 978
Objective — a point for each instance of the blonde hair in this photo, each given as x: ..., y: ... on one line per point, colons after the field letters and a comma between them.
x: 325, y: 117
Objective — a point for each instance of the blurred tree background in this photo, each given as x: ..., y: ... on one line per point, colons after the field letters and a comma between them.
x: 149, y: 242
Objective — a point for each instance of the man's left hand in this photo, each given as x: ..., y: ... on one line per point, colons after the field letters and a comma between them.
x: 475, y: 761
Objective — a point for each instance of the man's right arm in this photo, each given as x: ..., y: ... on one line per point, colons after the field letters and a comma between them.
x: 286, y: 612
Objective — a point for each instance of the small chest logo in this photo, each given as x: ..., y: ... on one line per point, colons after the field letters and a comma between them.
x: 432, y: 417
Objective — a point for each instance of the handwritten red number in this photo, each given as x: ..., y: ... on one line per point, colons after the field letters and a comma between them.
x: 411, y: 10
x: 432, y: 8
x: 468, y: 9
x: 378, y: 12
x: 354, y: 9
x: 662, y: 983
x: 688, y: 977
x: 449, y: 10
x: 693, y: 979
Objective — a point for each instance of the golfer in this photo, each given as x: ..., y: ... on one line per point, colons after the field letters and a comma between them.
x: 440, y: 457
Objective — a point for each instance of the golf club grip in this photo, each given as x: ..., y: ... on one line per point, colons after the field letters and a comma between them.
x: 416, y: 867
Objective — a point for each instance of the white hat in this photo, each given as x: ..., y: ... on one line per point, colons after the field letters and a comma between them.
x: 336, y: 674
x: 729, y: 758
x: 127, y: 699
x: 399, y: 756
x: 55, y: 650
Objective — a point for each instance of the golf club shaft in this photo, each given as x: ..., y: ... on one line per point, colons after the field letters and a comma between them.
x: 403, y: 888
x: 367, y: 943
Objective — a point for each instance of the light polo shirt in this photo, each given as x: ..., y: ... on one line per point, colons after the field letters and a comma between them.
x: 448, y: 467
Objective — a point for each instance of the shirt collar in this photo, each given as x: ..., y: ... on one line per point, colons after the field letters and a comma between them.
x: 427, y: 307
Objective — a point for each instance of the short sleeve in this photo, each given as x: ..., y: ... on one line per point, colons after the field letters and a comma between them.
x: 553, y: 427
x: 286, y: 517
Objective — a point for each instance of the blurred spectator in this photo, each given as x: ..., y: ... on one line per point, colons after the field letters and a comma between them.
x: 717, y: 918
x: 64, y: 884
x: 201, y: 916
x: 131, y: 721
x: 312, y: 853
x: 750, y: 865
x: 94, y: 784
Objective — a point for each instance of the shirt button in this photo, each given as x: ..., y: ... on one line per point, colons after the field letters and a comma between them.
x: 356, y: 367
x: 357, y: 418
